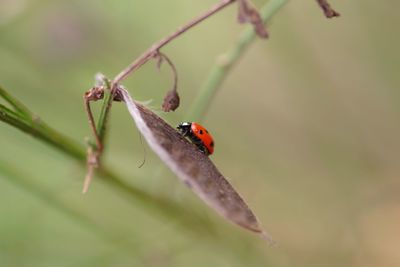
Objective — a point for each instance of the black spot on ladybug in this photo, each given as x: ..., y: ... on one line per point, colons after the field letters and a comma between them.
x: 212, y: 144
x: 201, y: 132
x: 206, y: 131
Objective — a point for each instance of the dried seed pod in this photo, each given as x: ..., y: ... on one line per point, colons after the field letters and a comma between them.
x: 193, y: 167
x: 171, y: 101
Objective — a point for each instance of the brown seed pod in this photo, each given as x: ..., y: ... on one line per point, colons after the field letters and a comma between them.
x: 193, y: 167
x: 171, y: 101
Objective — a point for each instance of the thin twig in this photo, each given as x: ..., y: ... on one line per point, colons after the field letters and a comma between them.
x: 92, y: 164
x: 93, y: 153
x: 172, y: 66
x: 157, y: 46
x: 92, y: 95
x: 171, y: 100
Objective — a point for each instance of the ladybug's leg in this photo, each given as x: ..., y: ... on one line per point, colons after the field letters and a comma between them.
x: 185, y: 131
x: 195, y: 140
x: 202, y: 148
x: 199, y: 144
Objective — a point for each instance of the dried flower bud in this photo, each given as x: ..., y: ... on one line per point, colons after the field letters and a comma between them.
x: 171, y: 101
x: 94, y: 94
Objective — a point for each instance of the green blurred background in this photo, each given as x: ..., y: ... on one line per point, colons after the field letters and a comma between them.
x: 306, y: 126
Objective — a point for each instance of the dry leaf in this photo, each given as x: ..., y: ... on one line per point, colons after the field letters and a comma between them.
x: 248, y: 13
x: 328, y: 10
x: 193, y: 167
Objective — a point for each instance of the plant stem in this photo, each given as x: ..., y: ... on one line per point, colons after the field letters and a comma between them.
x: 19, y: 107
x: 226, y: 61
x: 157, y: 46
x: 40, y: 130
x: 105, y: 112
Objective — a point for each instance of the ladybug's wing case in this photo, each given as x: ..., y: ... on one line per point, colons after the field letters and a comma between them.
x: 201, y: 133
x: 210, y: 145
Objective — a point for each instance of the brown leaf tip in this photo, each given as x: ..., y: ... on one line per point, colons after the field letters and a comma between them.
x: 171, y: 101
x: 117, y: 96
x: 328, y: 10
x: 247, y: 13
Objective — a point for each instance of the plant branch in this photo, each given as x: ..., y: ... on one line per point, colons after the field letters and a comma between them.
x: 17, y: 105
x: 40, y: 130
x: 157, y: 46
x: 87, y: 100
x: 103, y: 91
x: 163, y: 57
x: 11, y: 113
x: 105, y: 111
x: 171, y: 99
x: 226, y: 61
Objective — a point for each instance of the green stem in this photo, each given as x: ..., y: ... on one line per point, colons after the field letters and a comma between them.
x: 226, y: 61
x: 11, y: 113
x: 40, y: 130
x: 18, y: 106
x: 105, y: 111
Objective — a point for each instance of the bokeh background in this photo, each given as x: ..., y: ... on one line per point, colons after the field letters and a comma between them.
x: 307, y: 128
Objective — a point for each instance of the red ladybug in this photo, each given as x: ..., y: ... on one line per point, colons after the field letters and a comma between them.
x: 198, y: 135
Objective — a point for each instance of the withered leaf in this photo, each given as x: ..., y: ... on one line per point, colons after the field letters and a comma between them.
x: 248, y: 13
x: 193, y: 167
x: 328, y: 10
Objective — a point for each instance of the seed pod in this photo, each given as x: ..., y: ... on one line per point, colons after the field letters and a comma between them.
x: 171, y: 101
x: 193, y: 167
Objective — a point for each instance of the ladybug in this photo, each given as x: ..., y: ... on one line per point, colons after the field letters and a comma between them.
x: 198, y: 135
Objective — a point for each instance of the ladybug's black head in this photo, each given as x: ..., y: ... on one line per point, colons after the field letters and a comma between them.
x: 184, y: 127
